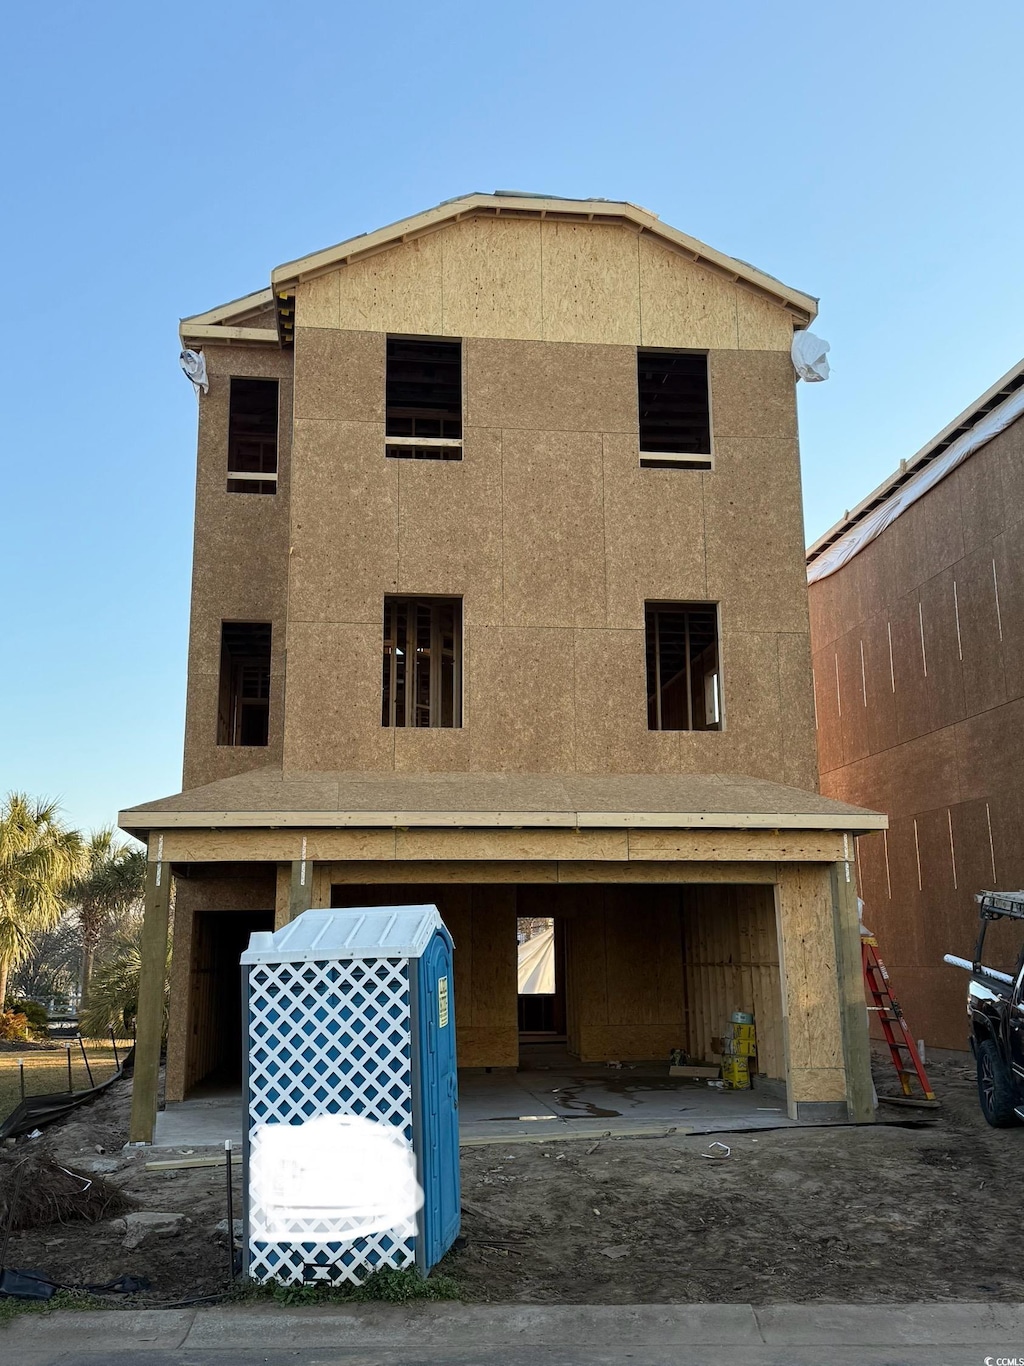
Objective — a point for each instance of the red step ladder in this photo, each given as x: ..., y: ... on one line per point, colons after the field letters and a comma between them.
x: 876, y: 980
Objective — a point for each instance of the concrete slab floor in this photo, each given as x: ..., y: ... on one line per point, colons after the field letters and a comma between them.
x: 559, y: 1101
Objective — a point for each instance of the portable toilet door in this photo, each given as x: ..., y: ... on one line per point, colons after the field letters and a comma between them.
x: 436, y: 1099
x: 349, y: 1029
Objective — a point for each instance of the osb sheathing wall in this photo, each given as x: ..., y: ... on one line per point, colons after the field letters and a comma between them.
x: 548, y: 529
x: 240, y: 563
x: 932, y: 731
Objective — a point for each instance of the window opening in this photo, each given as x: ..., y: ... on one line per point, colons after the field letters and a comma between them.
x: 422, y: 662
x: 243, y: 716
x: 684, y: 690
x: 423, y: 399
x: 252, y: 436
x: 675, y: 415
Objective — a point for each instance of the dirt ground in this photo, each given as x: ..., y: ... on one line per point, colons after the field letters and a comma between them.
x: 884, y: 1212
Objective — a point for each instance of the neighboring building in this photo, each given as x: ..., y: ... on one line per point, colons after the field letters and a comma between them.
x: 499, y: 603
x: 917, y: 624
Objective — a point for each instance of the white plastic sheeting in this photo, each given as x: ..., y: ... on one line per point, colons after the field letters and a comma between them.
x: 809, y: 352
x: 537, y: 965
x: 194, y: 365
x: 853, y: 541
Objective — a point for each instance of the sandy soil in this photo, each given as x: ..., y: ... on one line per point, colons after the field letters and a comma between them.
x: 876, y: 1213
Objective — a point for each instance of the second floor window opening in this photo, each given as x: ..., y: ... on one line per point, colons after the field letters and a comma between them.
x: 675, y: 413
x: 252, y: 436
x: 423, y: 399
x: 243, y: 710
x: 422, y: 683
x: 684, y: 689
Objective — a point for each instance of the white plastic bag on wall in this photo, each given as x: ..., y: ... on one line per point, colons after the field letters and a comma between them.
x: 194, y: 365
x: 809, y: 352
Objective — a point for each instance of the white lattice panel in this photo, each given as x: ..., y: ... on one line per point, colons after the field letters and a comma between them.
x: 328, y: 1038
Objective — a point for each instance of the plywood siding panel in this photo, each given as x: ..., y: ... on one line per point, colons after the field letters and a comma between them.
x: 334, y: 706
x: 984, y: 510
x: 682, y: 304
x: 752, y: 394
x: 611, y: 731
x: 450, y: 527
x: 928, y: 537
x: 398, y: 290
x: 591, y: 283
x: 505, y: 666
x: 318, y: 301
x: 796, y: 693
x: 752, y: 738
x: 551, y: 387
x: 492, y: 279
x: 553, y: 560
x: 653, y: 534
x: 339, y: 375
x: 344, y: 524
x: 810, y: 987
x: 762, y: 325
x: 754, y: 534
x: 983, y: 668
x: 827, y: 706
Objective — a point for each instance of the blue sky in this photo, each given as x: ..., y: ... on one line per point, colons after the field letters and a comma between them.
x: 160, y: 159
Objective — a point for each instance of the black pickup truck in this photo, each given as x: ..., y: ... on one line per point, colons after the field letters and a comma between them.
x: 995, y: 1013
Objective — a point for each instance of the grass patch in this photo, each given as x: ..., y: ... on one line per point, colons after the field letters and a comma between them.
x: 63, y: 1299
x: 386, y: 1286
x: 46, y: 1069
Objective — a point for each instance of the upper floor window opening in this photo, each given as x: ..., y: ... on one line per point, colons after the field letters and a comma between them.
x: 252, y: 436
x: 243, y: 705
x: 423, y: 399
x: 675, y: 410
x: 422, y: 662
x: 684, y: 689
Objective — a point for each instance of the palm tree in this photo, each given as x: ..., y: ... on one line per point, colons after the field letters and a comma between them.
x: 38, y: 857
x: 111, y: 879
x: 114, y: 998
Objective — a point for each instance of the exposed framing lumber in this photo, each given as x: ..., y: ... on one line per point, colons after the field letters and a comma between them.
x: 150, y: 1017
x: 301, y: 891
x: 513, y: 873
x: 859, y: 822
x: 265, y: 336
x: 522, y: 846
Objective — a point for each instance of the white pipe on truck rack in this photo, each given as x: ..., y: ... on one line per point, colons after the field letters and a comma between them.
x: 984, y: 972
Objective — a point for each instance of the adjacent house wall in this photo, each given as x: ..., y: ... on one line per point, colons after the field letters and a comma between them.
x: 932, y: 732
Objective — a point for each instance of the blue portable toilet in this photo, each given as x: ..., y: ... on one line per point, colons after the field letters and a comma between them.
x: 348, y: 1013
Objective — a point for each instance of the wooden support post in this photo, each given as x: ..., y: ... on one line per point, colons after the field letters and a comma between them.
x: 301, y: 894
x: 853, y: 1012
x: 149, y: 1023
